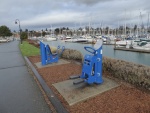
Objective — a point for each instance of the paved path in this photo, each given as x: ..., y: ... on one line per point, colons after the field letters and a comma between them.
x: 19, y: 92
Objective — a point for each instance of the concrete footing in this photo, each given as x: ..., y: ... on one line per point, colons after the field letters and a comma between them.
x: 77, y: 93
x: 60, y: 62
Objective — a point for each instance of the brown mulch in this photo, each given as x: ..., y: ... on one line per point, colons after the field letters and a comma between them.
x: 123, y: 99
x: 33, y: 42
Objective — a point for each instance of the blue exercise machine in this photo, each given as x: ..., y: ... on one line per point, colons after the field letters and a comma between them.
x: 92, y: 66
x: 47, y: 57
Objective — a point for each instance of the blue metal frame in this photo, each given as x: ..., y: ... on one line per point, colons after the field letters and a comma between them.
x: 47, y: 57
x: 92, y: 66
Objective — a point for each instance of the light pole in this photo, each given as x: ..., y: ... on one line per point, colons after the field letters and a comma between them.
x: 19, y: 28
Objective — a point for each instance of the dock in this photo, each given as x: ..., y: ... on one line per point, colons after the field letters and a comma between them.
x: 108, y: 44
x: 130, y: 49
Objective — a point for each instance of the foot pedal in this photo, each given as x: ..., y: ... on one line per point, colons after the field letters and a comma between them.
x: 78, y: 81
x: 74, y: 76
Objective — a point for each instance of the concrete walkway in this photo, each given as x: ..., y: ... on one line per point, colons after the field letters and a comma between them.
x: 19, y: 92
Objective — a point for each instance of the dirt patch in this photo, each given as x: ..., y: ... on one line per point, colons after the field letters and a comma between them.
x: 123, y: 99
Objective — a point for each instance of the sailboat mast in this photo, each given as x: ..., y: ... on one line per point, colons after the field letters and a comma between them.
x: 148, y: 26
x: 125, y: 25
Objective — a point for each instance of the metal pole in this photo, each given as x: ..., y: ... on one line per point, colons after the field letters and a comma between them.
x: 43, y: 53
x: 19, y: 29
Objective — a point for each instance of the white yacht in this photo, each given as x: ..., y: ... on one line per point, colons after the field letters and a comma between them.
x: 77, y: 39
x: 49, y: 38
x: 142, y: 45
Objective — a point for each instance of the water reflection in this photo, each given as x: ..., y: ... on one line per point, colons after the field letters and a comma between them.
x: 108, y: 50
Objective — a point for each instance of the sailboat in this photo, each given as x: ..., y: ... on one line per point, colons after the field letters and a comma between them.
x: 142, y: 44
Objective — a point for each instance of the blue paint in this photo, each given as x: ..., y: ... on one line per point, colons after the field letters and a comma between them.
x: 92, y: 65
x: 47, y: 57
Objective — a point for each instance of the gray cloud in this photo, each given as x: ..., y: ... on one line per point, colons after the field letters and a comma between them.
x: 89, y: 2
x: 37, y: 14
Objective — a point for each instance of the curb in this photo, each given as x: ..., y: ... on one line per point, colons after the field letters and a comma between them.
x: 53, y: 99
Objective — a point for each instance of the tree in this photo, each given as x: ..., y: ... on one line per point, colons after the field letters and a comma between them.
x: 5, y: 31
x: 43, y: 33
x: 57, y: 31
x: 128, y: 29
x: 24, y: 35
x: 135, y: 28
x: 107, y: 30
x: 67, y: 28
x: 148, y: 29
x: 121, y: 29
x: 26, y: 30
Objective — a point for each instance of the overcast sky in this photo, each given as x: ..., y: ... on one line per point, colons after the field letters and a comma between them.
x: 41, y: 14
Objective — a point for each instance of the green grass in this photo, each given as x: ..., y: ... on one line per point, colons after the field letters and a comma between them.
x: 28, y: 49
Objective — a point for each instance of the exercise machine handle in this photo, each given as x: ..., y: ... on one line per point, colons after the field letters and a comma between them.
x: 90, y: 49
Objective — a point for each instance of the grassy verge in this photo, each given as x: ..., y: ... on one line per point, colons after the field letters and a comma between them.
x: 28, y: 49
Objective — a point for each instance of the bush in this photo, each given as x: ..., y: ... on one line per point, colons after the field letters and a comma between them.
x: 24, y: 35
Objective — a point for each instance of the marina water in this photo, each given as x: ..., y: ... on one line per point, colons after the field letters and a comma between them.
x: 108, y: 50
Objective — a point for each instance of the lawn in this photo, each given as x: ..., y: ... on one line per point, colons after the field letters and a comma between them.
x: 28, y: 49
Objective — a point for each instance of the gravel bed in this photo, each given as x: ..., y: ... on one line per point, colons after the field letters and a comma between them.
x: 123, y: 99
